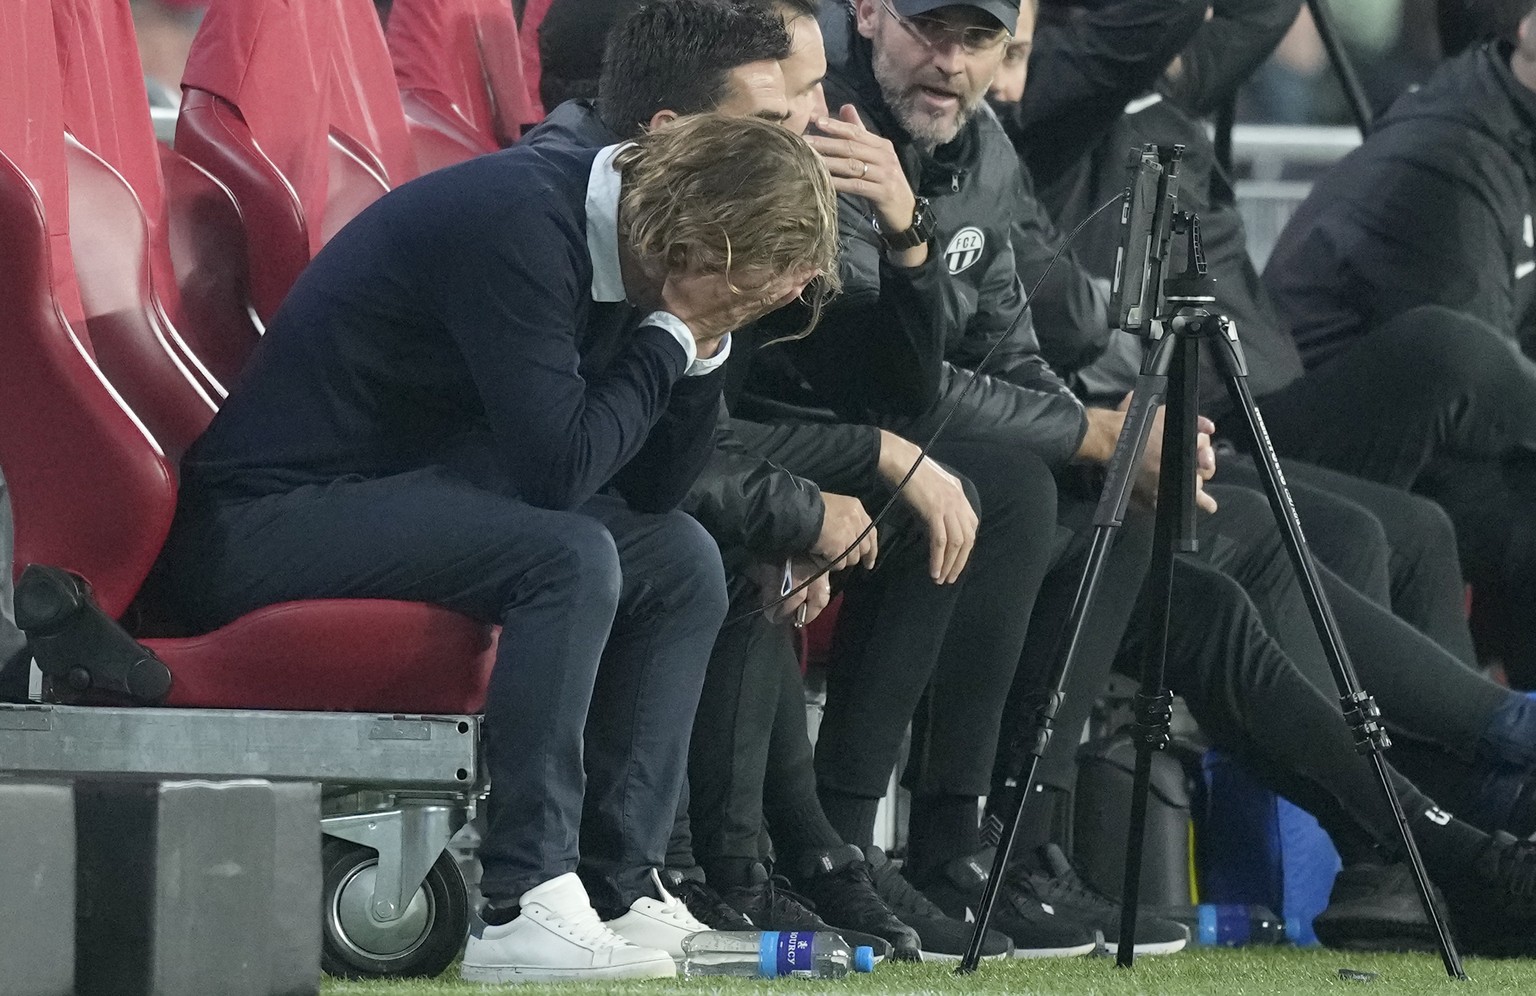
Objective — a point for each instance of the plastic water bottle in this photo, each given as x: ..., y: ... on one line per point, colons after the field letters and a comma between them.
x: 773, y: 954
x: 1230, y: 925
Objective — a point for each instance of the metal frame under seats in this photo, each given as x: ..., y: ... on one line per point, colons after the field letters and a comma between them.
x: 395, y: 787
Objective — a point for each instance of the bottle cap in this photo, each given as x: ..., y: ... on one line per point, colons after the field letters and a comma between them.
x: 863, y: 959
x: 768, y: 955
x: 1205, y: 929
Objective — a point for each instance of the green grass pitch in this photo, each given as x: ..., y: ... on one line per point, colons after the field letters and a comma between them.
x: 1247, y: 972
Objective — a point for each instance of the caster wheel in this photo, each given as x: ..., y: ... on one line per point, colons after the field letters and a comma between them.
x: 422, y: 942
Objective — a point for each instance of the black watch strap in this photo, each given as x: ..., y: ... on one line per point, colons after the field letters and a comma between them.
x: 917, y: 233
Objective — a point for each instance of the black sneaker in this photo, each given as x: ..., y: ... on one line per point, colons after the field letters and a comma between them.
x: 1375, y: 908
x: 845, y: 897
x: 1047, y: 876
x: 705, y: 903
x: 1037, y: 932
x: 1493, y: 909
x: 943, y: 938
x: 769, y: 904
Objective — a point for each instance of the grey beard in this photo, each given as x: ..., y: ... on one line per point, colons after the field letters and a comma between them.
x: 927, y: 133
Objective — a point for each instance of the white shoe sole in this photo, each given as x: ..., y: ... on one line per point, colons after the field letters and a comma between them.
x: 939, y: 956
x: 658, y: 968
x: 1160, y: 948
x: 1076, y: 951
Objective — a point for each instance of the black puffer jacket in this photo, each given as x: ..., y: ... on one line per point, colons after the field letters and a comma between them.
x: 1434, y: 208
x: 898, y: 346
x: 755, y: 493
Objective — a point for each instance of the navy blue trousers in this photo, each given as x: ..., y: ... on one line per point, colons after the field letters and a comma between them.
x: 607, y: 616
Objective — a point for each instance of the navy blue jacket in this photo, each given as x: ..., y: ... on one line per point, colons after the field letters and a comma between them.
x: 452, y: 324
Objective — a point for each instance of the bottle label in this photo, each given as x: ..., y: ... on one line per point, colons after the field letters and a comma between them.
x: 797, y: 953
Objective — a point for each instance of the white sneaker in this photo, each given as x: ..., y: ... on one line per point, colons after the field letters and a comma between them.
x: 557, y: 936
x: 660, y: 923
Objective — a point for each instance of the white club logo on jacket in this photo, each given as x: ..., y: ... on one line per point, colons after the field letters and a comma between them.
x: 964, y: 249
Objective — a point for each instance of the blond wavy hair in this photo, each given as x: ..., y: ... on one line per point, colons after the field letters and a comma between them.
x: 731, y: 195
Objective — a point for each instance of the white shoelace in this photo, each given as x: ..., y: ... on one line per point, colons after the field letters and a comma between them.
x: 675, y: 909
x: 585, y: 927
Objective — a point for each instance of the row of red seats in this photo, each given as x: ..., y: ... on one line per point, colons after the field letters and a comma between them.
x: 137, y: 277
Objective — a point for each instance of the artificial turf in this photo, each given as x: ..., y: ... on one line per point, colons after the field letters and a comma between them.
x: 1244, y: 972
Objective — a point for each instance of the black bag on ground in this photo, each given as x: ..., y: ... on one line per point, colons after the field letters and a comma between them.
x: 85, y: 656
x: 1102, y: 816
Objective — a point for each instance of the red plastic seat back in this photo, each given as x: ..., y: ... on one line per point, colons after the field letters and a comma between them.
x: 439, y: 134
x: 255, y: 113
x: 365, y: 105
x: 207, y: 246
x: 462, y: 62
x: 533, y: 16
x: 132, y: 334
x: 89, y: 487
x: 30, y: 133
x: 107, y: 111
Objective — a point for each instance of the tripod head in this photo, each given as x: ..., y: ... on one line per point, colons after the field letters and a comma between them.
x: 1154, y: 235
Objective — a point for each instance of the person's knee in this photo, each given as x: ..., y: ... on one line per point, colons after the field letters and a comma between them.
x: 581, y: 558
x: 691, y: 572
x: 1464, y: 352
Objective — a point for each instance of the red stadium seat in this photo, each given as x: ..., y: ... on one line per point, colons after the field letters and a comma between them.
x: 91, y: 488
x: 291, y: 106
x: 194, y: 246
x: 459, y: 68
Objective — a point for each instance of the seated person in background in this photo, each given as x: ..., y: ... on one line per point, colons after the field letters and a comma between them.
x: 762, y: 498
x: 489, y: 392
x: 1408, y: 278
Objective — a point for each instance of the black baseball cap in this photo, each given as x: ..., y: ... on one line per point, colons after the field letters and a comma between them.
x: 1006, y: 11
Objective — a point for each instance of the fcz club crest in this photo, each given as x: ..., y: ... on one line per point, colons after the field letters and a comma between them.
x: 964, y: 249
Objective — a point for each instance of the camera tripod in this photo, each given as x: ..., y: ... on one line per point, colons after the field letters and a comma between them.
x: 1173, y: 313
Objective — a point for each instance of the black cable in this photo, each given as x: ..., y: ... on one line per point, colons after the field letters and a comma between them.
x: 934, y: 437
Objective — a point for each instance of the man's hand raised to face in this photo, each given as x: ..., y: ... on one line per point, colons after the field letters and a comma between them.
x: 865, y: 165
x: 713, y: 305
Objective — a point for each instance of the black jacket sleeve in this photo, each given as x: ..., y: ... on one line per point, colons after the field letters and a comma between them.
x: 1015, y: 383
x: 757, y: 492
x: 1086, y: 63
x: 899, y: 315
x: 1069, y: 306
x: 1227, y: 50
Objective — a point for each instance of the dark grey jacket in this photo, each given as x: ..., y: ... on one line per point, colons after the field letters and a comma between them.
x: 1434, y: 208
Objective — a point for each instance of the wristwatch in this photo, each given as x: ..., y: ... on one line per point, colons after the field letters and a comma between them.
x: 919, y: 232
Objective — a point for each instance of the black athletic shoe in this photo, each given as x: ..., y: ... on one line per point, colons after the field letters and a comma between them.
x: 1375, y: 908
x: 769, y: 904
x: 845, y: 896
x: 705, y: 903
x: 1037, y: 932
x: 1493, y: 909
x: 1048, y: 877
x: 943, y: 937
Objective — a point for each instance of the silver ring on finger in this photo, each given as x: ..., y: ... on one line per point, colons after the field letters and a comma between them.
x: 863, y: 169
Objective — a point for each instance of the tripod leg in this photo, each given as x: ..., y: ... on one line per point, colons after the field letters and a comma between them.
x: 1173, y: 530
x: 1359, y: 708
x: 1150, y: 389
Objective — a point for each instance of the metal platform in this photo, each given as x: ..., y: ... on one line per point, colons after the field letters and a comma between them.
x: 404, y: 752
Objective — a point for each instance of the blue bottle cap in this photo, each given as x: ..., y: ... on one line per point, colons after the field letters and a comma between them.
x: 1299, y: 932
x: 1205, y: 933
x: 863, y: 959
x: 768, y: 955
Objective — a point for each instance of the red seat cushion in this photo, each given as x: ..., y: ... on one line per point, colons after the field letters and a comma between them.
x: 345, y: 655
